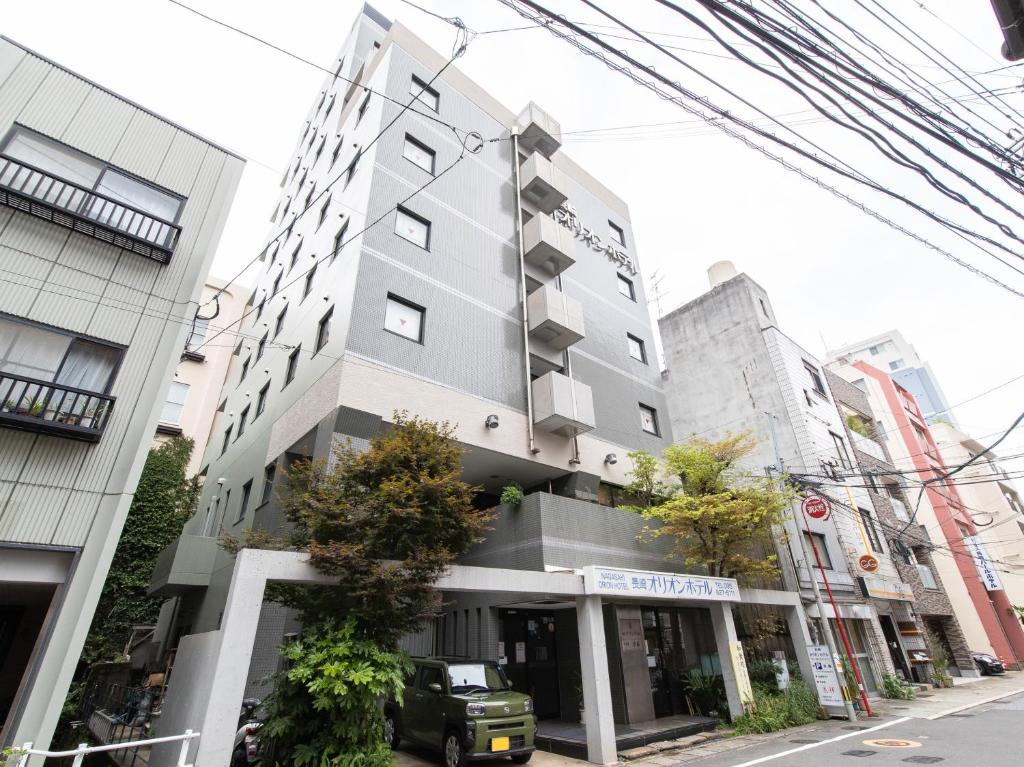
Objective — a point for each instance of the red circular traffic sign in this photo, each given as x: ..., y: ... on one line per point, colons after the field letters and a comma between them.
x: 816, y: 507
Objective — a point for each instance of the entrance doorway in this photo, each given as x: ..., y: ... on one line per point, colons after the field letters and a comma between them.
x: 892, y: 639
x: 679, y: 640
x: 23, y: 610
x: 530, y: 647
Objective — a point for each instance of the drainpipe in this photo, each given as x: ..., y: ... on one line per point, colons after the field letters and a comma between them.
x: 575, y: 460
x: 522, y: 293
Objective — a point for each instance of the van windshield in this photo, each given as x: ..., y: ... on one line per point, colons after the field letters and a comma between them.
x: 476, y: 677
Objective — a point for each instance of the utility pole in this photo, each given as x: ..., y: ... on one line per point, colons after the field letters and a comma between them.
x: 826, y: 628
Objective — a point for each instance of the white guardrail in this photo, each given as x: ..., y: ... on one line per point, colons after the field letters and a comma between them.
x: 80, y: 753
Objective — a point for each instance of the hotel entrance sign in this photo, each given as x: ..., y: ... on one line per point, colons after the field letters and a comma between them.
x: 641, y: 583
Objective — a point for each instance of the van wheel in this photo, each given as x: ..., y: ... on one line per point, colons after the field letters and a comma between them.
x: 391, y: 730
x: 521, y: 758
x: 453, y: 753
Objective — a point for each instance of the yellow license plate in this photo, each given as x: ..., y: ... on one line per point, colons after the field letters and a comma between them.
x: 499, y: 744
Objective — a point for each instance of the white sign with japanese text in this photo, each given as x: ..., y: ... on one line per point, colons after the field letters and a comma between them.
x: 641, y: 583
x: 823, y: 668
x: 988, y: 574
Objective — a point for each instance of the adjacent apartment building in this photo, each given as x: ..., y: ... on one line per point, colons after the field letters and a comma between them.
x: 968, y: 573
x: 109, y: 217
x: 730, y: 369
x: 891, y: 353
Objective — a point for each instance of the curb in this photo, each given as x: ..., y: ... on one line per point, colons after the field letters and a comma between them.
x: 981, y: 702
x: 669, y: 746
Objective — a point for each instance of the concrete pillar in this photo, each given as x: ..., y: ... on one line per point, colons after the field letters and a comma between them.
x: 238, y: 629
x: 725, y: 632
x: 796, y: 620
x: 597, y: 694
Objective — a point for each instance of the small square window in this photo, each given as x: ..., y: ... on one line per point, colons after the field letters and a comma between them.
x: 413, y: 228
x: 279, y: 325
x: 323, y: 330
x: 816, y: 380
x: 649, y: 420
x: 245, y: 369
x: 626, y: 287
x: 261, y: 400
x: 339, y: 241
x: 618, y: 236
x: 241, y: 423
x: 636, y: 348
x: 896, y: 364
x: 262, y: 346
x: 419, y: 154
x: 293, y: 365
x: 323, y: 212
x: 308, y: 286
x: 404, y: 319
x: 246, y: 494
x: 425, y: 93
x: 362, y: 108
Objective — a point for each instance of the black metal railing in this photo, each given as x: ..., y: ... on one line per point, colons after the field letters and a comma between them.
x: 40, y: 193
x: 53, y: 408
x: 113, y: 713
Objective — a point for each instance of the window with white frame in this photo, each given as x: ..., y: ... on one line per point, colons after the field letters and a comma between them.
x: 649, y: 420
x: 174, y: 404
x: 404, y: 318
x: 636, y: 348
x: 626, y: 287
x: 618, y: 236
x: 418, y: 154
x: 413, y: 228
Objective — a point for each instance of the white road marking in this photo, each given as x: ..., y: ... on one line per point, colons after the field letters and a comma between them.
x: 857, y: 734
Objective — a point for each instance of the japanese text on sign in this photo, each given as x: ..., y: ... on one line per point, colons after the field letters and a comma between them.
x: 983, y: 563
x: 638, y: 583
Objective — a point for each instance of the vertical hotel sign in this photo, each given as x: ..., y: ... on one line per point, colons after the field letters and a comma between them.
x: 988, y: 574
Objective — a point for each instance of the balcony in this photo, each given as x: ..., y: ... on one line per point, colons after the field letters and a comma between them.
x: 185, y: 564
x: 867, y: 445
x: 538, y: 132
x: 548, y: 245
x: 542, y: 183
x: 40, y: 193
x: 555, y: 319
x: 562, y: 406
x: 899, y: 509
x: 52, y: 408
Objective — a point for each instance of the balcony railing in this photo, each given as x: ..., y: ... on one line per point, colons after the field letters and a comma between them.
x: 39, y: 193
x: 867, y: 445
x: 53, y: 408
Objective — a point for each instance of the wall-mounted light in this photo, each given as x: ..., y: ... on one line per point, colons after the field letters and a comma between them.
x: 491, y: 422
x: 611, y: 459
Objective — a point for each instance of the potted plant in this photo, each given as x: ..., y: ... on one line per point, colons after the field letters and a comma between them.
x: 512, y: 494
x: 940, y: 661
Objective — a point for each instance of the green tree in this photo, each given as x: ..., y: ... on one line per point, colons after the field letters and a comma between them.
x: 163, y: 501
x: 719, y: 517
x: 645, y: 483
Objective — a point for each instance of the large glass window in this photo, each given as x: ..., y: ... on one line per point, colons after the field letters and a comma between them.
x: 30, y: 351
x: 174, y: 404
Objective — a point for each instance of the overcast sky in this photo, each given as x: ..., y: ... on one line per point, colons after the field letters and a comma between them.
x: 696, y: 196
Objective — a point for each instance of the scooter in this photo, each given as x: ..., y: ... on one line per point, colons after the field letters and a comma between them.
x: 246, y: 749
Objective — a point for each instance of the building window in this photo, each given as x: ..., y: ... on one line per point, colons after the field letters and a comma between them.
x: 330, y: 106
x: 840, y: 445
x: 280, y: 322
x: 309, y: 197
x: 320, y: 148
x: 817, y: 383
x: 350, y: 171
x: 197, y: 334
x: 339, y: 241
x: 277, y: 284
x: 308, y: 286
x: 293, y: 365
x: 362, y: 109
x: 924, y: 571
x: 323, y: 331
x: 174, y: 404
x: 764, y: 308
x: 868, y: 521
x: 413, y: 228
x: 636, y: 348
x: 241, y: 422
x: 259, y: 309
x: 337, y: 151
x: 419, y: 154
x: 246, y: 493
x: 649, y: 420
x: 261, y: 400
x: 268, y: 483
x: 896, y: 364
x: 425, y: 93
x: 817, y: 541
x: 874, y: 349
x: 312, y: 138
x: 245, y: 369
x: 262, y: 346
x: 617, y: 235
x: 404, y: 319
x: 626, y: 287
x: 323, y: 212
x: 227, y: 439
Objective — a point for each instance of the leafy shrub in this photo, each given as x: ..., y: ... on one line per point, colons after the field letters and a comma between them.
x: 325, y: 709
x: 762, y: 675
x: 896, y: 688
x: 707, y: 693
x: 790, y: 708
x: 512, y: 495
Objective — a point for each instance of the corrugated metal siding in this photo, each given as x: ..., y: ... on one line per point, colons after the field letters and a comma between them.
x: 74, y: 282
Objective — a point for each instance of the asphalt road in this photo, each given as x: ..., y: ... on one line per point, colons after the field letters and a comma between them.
x: 989, y: 735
